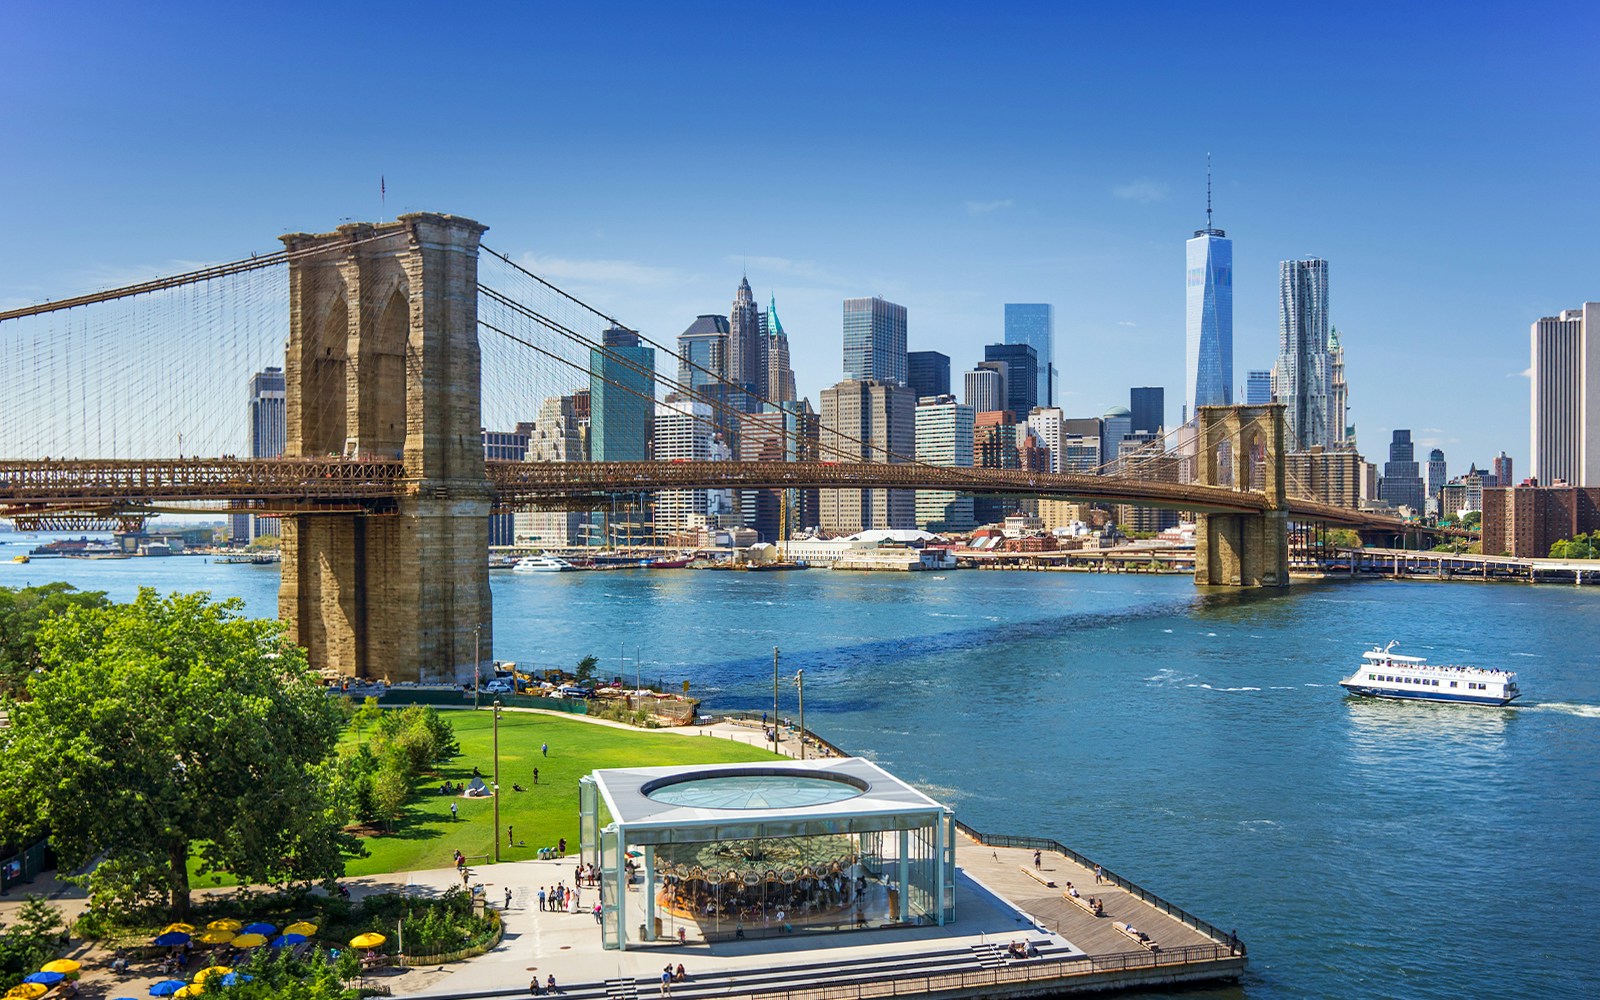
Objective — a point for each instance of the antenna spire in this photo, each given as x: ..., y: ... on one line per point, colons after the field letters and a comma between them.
x: 1208, y: 190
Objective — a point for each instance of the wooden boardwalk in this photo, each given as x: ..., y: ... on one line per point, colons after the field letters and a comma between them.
x: 1001, y: 869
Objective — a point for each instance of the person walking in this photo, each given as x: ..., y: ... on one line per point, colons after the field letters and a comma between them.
x: 508, y: 897
x: 536, y: 776
x: 544, y: 748
x: 1036, y: 862
x: 511, y: 841
x: 666, y: 981
x: 452, y: 812
x: 541, y: 899
x: 1099, y: 873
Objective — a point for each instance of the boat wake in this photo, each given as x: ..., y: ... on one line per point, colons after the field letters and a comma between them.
x: 1208, y: 687
x: 1564, y: 707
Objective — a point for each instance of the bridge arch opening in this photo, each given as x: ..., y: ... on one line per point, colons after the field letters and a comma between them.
x: 384, y: 380
x: 323, y: 429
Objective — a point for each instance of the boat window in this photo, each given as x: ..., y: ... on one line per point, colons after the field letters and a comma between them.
x: 1452, y: 683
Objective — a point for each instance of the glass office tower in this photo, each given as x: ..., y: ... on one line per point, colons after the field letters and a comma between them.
x: 1034, y: 323
x: 1208, y: 358
x: 874, y: 341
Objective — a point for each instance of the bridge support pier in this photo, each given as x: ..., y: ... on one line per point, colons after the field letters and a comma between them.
x: 383, y: 363
x: 1242, y: 550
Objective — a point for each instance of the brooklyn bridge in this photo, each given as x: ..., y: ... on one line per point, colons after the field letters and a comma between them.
x: 400, y: 342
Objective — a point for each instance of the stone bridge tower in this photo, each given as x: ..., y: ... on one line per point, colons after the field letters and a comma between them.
x: 1242, y: 447
x: 383, y: 363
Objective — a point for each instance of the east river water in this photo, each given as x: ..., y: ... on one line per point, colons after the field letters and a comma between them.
x: 1197, y: 743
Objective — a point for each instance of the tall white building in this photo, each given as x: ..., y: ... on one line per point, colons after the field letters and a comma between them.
x: 1047, y: 424
x: 1208, y: 317
x: 944, y: 437
x: 557, y: 435
x: 686, y: 430
x: 1300, y: 380
x: 1565, y: 438
x: 986, y: 388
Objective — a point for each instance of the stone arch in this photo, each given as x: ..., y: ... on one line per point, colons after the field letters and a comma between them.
x: 322, y: 403
x: 383, y: 386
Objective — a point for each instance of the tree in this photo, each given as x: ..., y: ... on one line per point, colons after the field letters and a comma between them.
x: 586, y: 668
x: 22, y: 612
x: 171, y: 728
x: 30, y: 940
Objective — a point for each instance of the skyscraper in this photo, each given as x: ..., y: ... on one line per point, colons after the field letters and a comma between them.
x: 269, y: 429
x: 1258, y: 387
x: 1502, y: 470
x: 1208, y: 319
x: 1149, y: 407
x: 1434, y: 477
x: 1022, y: 375
x: 780, y: 374
x: 685, y: 430
x: 1401, y: 484
x: 867, y: 421
x: 1340, y: 431
x: 1033, y: 323
x: 944, y: 437
x: 747, y: 351
x: 874, y: 340
x: 1300, y: 378
x: 985, y: 389
x: 1565, y: 438
x: 703, y: 348
x: 622, y: 397
x: 557, y: 435
x: 505, y: 446
x: 928, y: 373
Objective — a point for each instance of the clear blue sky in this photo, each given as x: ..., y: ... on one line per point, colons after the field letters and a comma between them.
x: 1443, y: 158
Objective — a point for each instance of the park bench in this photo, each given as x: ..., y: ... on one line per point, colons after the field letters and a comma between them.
x: 1039, y: 877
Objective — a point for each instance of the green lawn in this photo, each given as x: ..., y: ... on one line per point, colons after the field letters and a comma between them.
x: 544, y: 813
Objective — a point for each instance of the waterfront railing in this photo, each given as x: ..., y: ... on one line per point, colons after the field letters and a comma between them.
x: 1178, y: 913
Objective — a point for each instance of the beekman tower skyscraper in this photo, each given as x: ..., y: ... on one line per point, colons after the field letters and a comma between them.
x: 1208, y: 370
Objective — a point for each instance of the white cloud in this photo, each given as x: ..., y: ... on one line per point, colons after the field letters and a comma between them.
x: 609, y: 272
x: 1142, y: 189
x: 808, y: 269
x: 985, y: 207
x: 1126, y: 322
x: 1525, y: 373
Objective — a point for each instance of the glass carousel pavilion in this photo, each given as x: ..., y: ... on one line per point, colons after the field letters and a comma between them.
x: 733, y: 851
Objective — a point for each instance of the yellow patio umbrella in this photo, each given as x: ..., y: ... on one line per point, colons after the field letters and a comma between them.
x: 180, y: 928
x: 215, y: 937
x: 212, y: 970
x: 249, y: 941
x: 371, y: 939
x: 225, y: 924
x: 192, y: 990
x: 28, y: 991
x: 301, y: 927
x: 65, y: 966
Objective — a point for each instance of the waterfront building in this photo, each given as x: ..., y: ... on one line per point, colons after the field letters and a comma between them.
x: 685, y: 430
x: 1402, y: 482
x: 1501, y: 466
x: 747, y: 351
x: 788, y: 432
x: 1330, y: 475
x: 558, y: 434
x: 1022, y: 368
x: 1033, y: 323
x: 1565, y: 435
x: 828, y: 818
x: 1300, y: 378
x: 1258, y: 387
x: 1046, y: 422
x: 994, y: 446
x: 622, y: 389
x: 867, y: 421
x: 1524, y: 521
x: 1141, y: 455
x: 1208, y: 317
x: 269, y: 429
x: 874, y: 341
x: 944, y: 436
x: 780, y: 374
x: 985, y: 388
x: 505, y: 446
x: 1148, y: 404
x: 928, y: 373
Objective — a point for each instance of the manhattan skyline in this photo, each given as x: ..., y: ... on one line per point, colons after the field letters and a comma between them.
x: 1422, y: 156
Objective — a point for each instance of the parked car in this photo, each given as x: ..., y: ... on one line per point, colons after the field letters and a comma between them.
x: 499, y: 686
x: 574, y: 691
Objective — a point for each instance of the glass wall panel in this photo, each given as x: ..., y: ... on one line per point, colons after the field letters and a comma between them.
x: 610, y: 901
x: 588, y: 820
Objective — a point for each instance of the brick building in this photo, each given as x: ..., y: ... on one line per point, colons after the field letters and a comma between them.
x: 1525, y: 521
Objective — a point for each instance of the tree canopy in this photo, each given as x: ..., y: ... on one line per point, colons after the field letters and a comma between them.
x: 1579, y: 546
x: 172, y: 727
x: 22, y: 612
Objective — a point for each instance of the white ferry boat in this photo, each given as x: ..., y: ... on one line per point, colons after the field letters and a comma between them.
x: 1387, y: 674
x: 542, y: 564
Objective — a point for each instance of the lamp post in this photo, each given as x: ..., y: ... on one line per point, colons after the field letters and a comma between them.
x: 774, y: 699
x: 800, y: 685
x: 497, y: 780
x: 477, y: 635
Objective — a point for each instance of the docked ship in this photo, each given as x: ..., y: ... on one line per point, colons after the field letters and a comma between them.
x: 1387, y: 674
x: 542, y: 564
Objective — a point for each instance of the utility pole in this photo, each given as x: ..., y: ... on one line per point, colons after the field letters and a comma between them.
x: 774, y: 699
x: 800, y: 685
x: 497, y: 780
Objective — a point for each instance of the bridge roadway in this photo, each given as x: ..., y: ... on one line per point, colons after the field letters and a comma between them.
x: 103, y: 486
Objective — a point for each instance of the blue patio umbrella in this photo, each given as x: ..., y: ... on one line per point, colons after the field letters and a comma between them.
x: 167, y: 987
x: 259, y: 928
x: 171, y: 939
x: 235, y: 978
x: 44, y: 978
x: 288, y: 939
